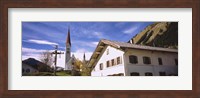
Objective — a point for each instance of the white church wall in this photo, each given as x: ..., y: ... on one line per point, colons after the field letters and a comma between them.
x: 113, y: 54
x: 78, y: 55
x: 168, y: 60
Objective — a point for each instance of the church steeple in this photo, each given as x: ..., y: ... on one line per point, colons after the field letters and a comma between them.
x: 84, y: 56
x: 68, y: 40
x: 68, y: 52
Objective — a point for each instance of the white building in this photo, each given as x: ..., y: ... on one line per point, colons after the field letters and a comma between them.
x: 112, y: 58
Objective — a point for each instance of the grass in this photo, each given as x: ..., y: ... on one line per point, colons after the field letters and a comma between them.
x: 61, y: 73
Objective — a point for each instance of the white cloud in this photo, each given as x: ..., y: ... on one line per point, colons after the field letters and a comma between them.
x: 41, y: 42
x: 97, y: 33
x: 80, y: 55
x: 95, y: 43
x: 85, y: 43
x: 81, y: 50
x: 130, y: 30
x: 35, y: 56
x: 30, y: 50
x: 32, y: 53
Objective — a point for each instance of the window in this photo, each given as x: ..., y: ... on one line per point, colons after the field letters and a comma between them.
x: 146, y: 60
x: 108, y: 64
x: 113, y: 62
x: 27, y: 70
x: 101, y: 66
x: 162, y: 73
x: 107, y: 52
x: 160, y: 61
x: 133, y: 59
x: 118, y: 60
x: 135, y: 74
x: 148, y: 74
x: 176, y: 62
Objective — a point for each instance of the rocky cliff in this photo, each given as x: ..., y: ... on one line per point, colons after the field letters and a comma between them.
x: 159, y: 34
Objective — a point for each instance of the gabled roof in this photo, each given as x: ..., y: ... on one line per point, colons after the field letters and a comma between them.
x: 68, y: 40
x: 122, y: 46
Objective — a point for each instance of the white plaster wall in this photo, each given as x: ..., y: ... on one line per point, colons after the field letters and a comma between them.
x: 168, y: 60
x: 113, y: 53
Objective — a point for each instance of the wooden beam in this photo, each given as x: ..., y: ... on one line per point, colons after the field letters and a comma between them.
x: 98, y: 52
x: 101, y: 46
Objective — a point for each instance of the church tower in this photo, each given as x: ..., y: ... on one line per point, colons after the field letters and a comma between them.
x: 84, y: 57
x: 68, y: 51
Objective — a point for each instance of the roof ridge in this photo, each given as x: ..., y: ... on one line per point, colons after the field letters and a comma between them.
x: 136, y: 45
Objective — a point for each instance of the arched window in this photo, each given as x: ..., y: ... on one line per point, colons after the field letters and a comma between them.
x: 133, y: 59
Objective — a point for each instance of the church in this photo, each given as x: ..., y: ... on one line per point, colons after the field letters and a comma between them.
x: 69, y: 60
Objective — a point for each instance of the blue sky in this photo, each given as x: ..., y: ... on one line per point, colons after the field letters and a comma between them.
x: 40, y: 36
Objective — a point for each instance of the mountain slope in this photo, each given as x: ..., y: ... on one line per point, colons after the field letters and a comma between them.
x: 160, y: 34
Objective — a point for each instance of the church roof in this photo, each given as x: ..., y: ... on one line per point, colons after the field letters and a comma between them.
x: 122, y: 46
x: 68, y: 40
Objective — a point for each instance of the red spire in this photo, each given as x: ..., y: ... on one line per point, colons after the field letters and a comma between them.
x: 68, y: 40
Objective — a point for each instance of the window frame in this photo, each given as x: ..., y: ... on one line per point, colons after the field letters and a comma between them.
x: 113, y: 62
x: 119, y: 60
x: 107, y: 63
x: 146, y: 60
x: 160, y: 62
x: 133, y: 59
x: 101, y: 66
x: 138, y: 74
